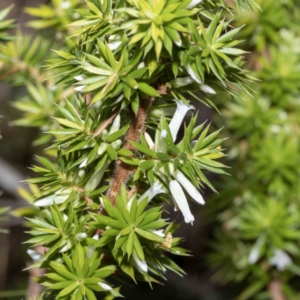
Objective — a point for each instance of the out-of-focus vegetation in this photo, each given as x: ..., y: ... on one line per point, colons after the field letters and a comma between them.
x: 259, y: 243
x: 256, y: 246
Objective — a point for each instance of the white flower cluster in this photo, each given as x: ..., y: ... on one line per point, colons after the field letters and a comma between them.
x: 180, y: 181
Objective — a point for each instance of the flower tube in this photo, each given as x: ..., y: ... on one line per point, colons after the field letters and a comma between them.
x: 178, y: 117
x: 140, y: 265
x: 187, y: 185
x: 181, y: 201
x: 154, y: 190
x: 193, y: 3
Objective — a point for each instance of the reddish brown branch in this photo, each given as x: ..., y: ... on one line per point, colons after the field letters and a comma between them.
x: 105, y: 124
x: 275, y: 288
x: 132, y: 192
x: 122, y: 170
x: 34, y: 289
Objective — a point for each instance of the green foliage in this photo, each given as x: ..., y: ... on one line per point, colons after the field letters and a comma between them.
x: 157, y: 24
x: 79, y: 276
x: 5, y: 25
x: 57, y: 229
x: 22, y: 59
x: 180, y: 70
x: 242, y: 117
x: 130, y: 225
x: 3, y: 211
x: 245, y: 4
x: 261, y: 243
x: 57, y: 15
x: 3, y: 217
x: 258, y: 243
x: 282, y: 88
x: 126, y: 77
x: 263, y: 24
x: 272, y: 167
x: 135, y: 235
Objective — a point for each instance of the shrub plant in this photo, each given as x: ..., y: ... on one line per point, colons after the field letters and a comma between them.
x: 259, y: 240
x: 110, y: 101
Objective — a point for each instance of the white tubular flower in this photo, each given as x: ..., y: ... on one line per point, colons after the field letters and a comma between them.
x: 115, y: 125
x: 207, y: 89
x: 182, y: 81
x: 140, y: 265
x: 114, y: 42
x: 158, y: 232
x: 105, y: 286
x: 141, y: 65
x: 50, y: 200
x: 83, y: 164
x: 178, y: 117
x: 65, y: 4
x: 114, y: 45
x: 79, y: 88
x: 81, y: 236
x: 253, y: 256
x: 280, y: 259
x: 79, y: 77
x: 154, y: 190
x: 164, y: 133
x: 194, y: 75
x: 255, y: 251
x: 181, y: 201
x: 193, y: 3
x: 35, y: 256
x: 178, y: 42
x: 96, y: 237
x: 149, y: 141
x: 187, y: 185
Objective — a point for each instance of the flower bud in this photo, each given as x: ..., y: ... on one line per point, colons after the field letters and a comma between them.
x: 181, y: 201
x: 178, y: 117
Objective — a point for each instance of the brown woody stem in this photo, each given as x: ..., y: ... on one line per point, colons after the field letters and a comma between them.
x: 105, y: 124
x: 122, y: 170
x: 275, y: 288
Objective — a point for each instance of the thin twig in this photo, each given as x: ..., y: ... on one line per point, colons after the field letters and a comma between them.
x: 132, y: 192
x: 88, y: 98
x: 122, y: 170
x: 105, y: 124
x: 34, y: 289
x: 275, y: 288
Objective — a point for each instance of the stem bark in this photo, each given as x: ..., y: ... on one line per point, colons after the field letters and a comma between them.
x: 275, y: 288
x: 122, y: 170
